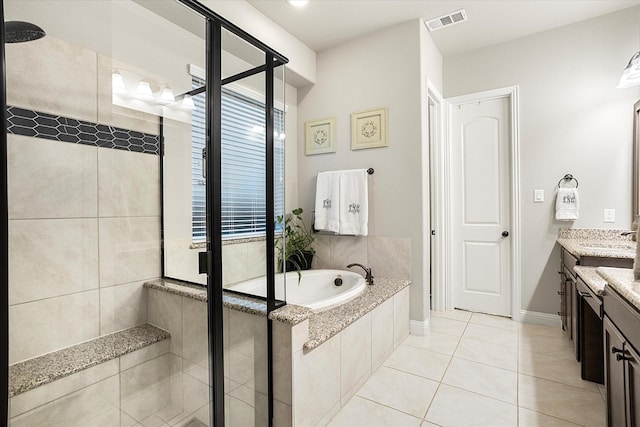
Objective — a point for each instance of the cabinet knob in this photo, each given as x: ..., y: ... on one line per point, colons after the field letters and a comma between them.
x: 620, y: 357
x: 615, y: 350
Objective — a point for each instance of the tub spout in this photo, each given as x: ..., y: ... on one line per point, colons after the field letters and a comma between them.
x: 368, y: 275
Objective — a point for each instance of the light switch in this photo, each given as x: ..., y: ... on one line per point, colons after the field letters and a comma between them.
x: 609, y: 215
x: 538, y: 196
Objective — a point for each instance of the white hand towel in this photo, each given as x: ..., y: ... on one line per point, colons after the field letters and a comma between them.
x: 354, y: 202
x: 567, y: 204
x: 328, y: 202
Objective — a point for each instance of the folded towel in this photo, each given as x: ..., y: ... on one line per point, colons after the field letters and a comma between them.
x: 327, y: 216
x: 354, y: 202
x: 567, y: 204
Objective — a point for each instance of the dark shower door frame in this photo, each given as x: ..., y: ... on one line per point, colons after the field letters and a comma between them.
x: 214, y: 83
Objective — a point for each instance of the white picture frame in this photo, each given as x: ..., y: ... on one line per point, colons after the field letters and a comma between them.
x: 320, y: 136
x: 369, y: 129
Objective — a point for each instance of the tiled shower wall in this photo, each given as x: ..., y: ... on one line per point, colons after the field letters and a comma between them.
x: 388, y: 257
x: 84, y: 221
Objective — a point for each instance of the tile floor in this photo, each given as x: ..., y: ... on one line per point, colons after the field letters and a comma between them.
x: 478, y: 370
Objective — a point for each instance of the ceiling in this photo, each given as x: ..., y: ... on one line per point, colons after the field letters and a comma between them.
x: 326, y: 23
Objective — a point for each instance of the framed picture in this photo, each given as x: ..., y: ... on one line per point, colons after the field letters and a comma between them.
x: 369, y: 129
x: 320, y: 136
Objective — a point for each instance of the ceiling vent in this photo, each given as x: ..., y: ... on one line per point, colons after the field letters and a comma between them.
x: 446, y: 20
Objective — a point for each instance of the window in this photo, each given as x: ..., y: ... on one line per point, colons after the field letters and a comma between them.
x: 243, y: 165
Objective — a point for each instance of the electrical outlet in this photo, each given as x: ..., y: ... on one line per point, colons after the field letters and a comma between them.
x: 538, y: 196
x: 609, y: 215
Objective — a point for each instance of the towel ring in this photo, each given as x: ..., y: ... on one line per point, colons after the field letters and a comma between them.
x: 567, y: 178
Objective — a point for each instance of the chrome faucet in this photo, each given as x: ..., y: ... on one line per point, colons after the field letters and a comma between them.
x: 368, y: 276
x: 626, y: 233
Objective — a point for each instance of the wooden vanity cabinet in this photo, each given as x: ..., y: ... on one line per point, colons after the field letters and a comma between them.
x: 622, y: 361
x: 589, y: 336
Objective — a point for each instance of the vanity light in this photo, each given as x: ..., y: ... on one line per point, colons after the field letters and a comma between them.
x: 167, y: 96
x: 298, y: 3
x: 117, y: 83
x: 631, y: 74
x: 143, y: 91
x: 187, y: 102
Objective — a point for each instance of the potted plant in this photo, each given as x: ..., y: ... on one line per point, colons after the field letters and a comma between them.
x: 297, y: 251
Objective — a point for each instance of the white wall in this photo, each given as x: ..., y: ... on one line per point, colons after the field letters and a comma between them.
x: 380, y: 70
x: 573, y: 119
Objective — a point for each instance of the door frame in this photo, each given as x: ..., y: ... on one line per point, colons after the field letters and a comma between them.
x: 435, y: 189
x: 512, y: 94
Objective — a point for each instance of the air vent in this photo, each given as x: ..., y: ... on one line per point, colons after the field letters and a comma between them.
x: 446, y: 20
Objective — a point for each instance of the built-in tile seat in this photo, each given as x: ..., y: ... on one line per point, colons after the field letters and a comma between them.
x: 32, y: 373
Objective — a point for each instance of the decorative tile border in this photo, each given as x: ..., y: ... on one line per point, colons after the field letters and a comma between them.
x: 64, y: 129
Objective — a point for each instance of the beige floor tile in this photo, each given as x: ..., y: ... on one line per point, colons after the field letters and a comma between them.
x: 365, y: 413
x: 565, y: 371
x: 492, y: 335
x: 400, y: 390
x: 434, y: 341
x: 460, y: 315
x: 447, y: 326
x: 428, y: 424
x: 456, y: 407
x: 603, y: 392
x: 529, y: 418
x: 487, y: 353
x: 558, y: 346
x: 483, y: 379
x: 419, y: 362
x: 495, y: 321
x: 569, y: 403
x: 531, y: 329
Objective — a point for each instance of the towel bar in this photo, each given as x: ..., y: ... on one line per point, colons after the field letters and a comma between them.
x: 567, y: 178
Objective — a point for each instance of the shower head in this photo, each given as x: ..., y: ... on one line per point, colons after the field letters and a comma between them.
x: 19, y: 32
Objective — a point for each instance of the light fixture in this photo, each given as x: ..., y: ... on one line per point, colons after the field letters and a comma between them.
x: 298, y: 3
x: 187, y: 102
x: 631, y: 74
x: 167, y: 96
x: 117, y: 83
x: 143, y: 91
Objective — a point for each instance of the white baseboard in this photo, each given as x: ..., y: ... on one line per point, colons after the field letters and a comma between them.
x: 537, y: 318
x: 417, y: 327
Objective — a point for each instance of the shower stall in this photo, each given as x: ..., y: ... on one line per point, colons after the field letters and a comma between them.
x: 142, y: 162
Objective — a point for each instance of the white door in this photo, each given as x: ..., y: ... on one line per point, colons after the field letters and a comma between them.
x: 481, y: 197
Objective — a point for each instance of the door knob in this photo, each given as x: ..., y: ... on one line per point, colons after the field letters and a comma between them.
x: 505, y: 234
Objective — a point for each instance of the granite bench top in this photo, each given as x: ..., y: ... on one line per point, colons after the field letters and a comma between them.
x: 322, y: 324
x: 597, y: 243
x: 27, y: 375
x: 591, y: 278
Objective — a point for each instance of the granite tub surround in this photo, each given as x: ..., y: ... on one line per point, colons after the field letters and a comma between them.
x: 621, y: 279
x: 597, y: 243
x: 27, y: 375
x: 591, y: 278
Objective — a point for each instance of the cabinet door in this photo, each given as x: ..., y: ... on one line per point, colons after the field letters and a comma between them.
x: 574, y: 318
x: 633, y: 386
x: 614, y: 374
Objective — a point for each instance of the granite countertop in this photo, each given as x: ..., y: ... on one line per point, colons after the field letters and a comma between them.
x: 597, y: 243
x: 621, y: 279
x: 591, y: 278
x: 27, y: 375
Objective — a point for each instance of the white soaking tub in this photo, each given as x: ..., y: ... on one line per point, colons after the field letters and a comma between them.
x: 315, y: 290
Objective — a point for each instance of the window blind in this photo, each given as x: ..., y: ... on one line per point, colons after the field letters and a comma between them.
x: 243, y: 165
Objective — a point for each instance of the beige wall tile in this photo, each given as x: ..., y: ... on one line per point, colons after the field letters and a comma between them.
x: 146, y: 388
x: 390, y: 257
x: 194, y: 332
x: 322, y: 258
x: 130, y: 360
x: 51, y: 179
x: 43, y: 326
x: 381, y: 333
x: 129, y: 249
x: 401, y: 316
x: 347, y: 250
x: 96, y: 405
x: 316, y: 370
x: 51, y: 257
x: 282, y: 414
x: 122, y: 307
x: 256, y: 259
x: 234, y: 263
x: 282, y: 362
x: 355, y: 354
x: 128, y: 183
x: 165, y: 312
x: 46, y: 393
x: 52, y: 76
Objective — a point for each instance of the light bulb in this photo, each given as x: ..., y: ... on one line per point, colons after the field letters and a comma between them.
x: 117, y: 83
x: 298, y: 3
x: 187, y: 102
x: 167, y: 96
x: 143, y: 91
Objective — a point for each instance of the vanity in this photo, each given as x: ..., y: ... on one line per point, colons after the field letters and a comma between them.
x: 581, y: 289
